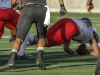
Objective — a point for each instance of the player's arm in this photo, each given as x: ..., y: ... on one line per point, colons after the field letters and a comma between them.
x: 89, y: 5
x: 95, y: 47
x: 62, y: 8
x: 89, y: 1
x: 13, y: 2
x: 67, y: 49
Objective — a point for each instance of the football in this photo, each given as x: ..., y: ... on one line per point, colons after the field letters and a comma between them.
x: 82, y: 49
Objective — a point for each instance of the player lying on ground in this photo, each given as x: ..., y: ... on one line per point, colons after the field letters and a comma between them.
x: 67, y: 29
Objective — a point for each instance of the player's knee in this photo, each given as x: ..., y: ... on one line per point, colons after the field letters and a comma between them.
x: 41, y: 35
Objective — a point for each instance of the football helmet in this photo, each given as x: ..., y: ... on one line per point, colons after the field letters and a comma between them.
x: 87, y: 20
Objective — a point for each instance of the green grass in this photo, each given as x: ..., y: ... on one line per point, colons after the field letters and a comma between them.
x: 56, y: 60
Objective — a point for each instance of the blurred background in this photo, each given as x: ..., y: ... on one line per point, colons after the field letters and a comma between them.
x: 73, y: 5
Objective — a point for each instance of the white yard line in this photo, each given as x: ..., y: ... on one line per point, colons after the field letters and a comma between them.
x: 72, y: 46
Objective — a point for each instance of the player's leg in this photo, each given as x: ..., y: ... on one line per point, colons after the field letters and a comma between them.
x: 22, y: 54
x: 11, y: 17
x: 41, y: 25
x: 13, y: 30
x: 55, y: 38
x: 2, y: 23
x: 23, y: 27
x: 63, y: 34
x: 56, y: 26
x: 32, y: 40
x: 40, y: 48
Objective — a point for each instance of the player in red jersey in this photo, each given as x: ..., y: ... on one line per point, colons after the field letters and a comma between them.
x: 9, y: 18
x: 7, y: 14
x: 66, y: 29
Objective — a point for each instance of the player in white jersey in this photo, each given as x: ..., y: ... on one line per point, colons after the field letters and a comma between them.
x: 65, y: 30
x: 5, y: 4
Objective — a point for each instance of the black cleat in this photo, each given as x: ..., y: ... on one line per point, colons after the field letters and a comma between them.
x: 23, y: 57
x: 40, y: 63
x: 8, y: 66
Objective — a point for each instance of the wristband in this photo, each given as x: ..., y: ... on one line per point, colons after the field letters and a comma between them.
x: 62, y: 5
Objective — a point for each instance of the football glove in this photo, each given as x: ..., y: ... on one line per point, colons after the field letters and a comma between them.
x: 12, y: 38
x: 62, y: 10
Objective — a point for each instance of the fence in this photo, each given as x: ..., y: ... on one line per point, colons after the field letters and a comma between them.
x: 73, y: 5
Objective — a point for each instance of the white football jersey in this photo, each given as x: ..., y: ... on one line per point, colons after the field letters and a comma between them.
x: 5, y: 3
x: 86, y: 31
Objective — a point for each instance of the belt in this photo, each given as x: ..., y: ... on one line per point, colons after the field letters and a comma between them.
x: 36, y: 4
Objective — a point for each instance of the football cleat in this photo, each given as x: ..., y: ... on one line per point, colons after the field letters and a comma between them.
x: 40, y: 63
x: 7, y: 66
x: 23, y: 57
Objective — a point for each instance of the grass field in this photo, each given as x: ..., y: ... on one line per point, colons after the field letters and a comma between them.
x: 56, y: 60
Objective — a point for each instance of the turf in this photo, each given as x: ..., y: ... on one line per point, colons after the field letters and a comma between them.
x: 56, y: 60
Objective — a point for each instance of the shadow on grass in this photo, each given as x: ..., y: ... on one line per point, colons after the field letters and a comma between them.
x: 51, y: 58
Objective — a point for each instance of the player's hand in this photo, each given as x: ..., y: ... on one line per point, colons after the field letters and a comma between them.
x: 12, y: 38
x: 20, y: 9
x: 14, y: 5
x: 89, y: 7
x: 62, y: 10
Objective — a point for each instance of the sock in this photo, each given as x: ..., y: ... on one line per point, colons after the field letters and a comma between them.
x: 14, y: 50
x: 40, y: 51
x: 40, y: 48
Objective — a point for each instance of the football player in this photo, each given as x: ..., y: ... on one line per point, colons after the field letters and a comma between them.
x: 24, y: 25
x: 9, y: 18
x: 67, y: 29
